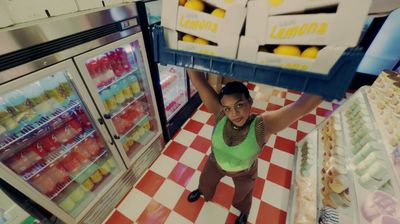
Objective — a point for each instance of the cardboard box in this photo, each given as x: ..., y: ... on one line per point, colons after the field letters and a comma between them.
x: 59, y: 7
x: 226, y: 4
x: 112, y: 2
x: 227, y: 48
x: 291, y: 6
x: 342, y: 28
x: 202, y: 24
x: 5, y: 18
x: 327, y: 57
x: 88, y: 4
x: 25, y: 10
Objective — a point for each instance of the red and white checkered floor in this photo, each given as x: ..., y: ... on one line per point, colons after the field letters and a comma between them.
x: 160, y: 195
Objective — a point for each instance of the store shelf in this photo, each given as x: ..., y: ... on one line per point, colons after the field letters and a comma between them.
x: 354, y: 127
x: 134, y: 69
x: 119, y: 110
x: 330, y: 86
x: 41, y: 123
x: 62, y: 188
x: 38, y: 167
x: 136, y: 125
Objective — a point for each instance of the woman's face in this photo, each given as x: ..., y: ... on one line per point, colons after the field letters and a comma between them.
x: 237, y: 108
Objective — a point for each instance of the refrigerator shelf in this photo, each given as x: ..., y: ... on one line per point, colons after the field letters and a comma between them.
x: 140, y: 95
x: 330, y: 86
x: 52, y: 157
x: 61, y: 188
x: 99, y: 90
x: 140, y: 121
x: 28, y: 129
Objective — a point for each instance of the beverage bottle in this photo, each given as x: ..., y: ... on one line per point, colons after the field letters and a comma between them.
x: 52, y: 89
x: 134, y: 84
x: 7, y: 119
x: 41, y: 103
x: 44, y: 184
x: 118, y: 94
x: 123, y: 58
x: 70, y: 163
x: 81, y: 154
x: 48, y: 143
x: 110, y: 100
x: 64, y: 86
x: 93, y: 67
x: 20, y: 107
x: 106, y: 71
x: 115, y: 63
x: 57, y: 173
x: 124, y: 85
x: 19, y: 163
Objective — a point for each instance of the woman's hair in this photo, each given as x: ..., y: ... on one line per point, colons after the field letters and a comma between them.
x: 234, y: 88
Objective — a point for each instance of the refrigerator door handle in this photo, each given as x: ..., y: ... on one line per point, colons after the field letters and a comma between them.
x: 107, y: 116
x: 101, y: 120
x: 117, y: 137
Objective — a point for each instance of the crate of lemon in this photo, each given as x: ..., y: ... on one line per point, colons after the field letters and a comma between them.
x: 331, y: 85
x: 203, y: 19
x: 317, y: 59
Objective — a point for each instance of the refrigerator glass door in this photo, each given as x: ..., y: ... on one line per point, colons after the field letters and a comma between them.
x: 50, y: 142
x: 174, y: 88
x: 153, y: 11
x: 117, y: 77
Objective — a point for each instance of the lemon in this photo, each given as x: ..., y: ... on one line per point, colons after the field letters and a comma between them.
x: 287, y: 50
x: 218, y: 13
x: 201, y: 41
x: 275, y: 3
x: 310, y: 52
x: 188, y: 38
x: 195, y: 5
x: 182, y: 2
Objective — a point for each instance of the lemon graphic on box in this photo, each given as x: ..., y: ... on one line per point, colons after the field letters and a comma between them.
x: 218, y: 13
x: 188, y: 38
x: 310, y: 52
x: 182, y: 2
x: 195, y: 5
x: 287, y: 50
x: 201, y: 41
x: 275, y: 3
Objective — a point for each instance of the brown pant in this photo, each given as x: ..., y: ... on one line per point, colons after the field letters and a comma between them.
x: 244, y: 183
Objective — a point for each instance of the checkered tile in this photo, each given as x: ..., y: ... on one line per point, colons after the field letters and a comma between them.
x: 160, y: 195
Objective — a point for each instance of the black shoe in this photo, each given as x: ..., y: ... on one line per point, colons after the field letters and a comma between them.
x: 242, y: 219
x: 194, y: 195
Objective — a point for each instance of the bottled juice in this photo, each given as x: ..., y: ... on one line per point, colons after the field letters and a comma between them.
x: 57, y: 173
x: 19, y: 106
x: 134, y: 84
x: 39, y: 100
x: 118, y: 94
x: 48, y: 143
x: 109, y: 99
x: 106, y: 70
x: 70, y: 163
x: 52, y: 88
x: 96, y: 177
x: 64, y: 86
x: 19, y: 163
x: 124, y: 85
x: 88, y: 184
x: 44, y: 184
x: 93, y: 68
x: 7, y: 120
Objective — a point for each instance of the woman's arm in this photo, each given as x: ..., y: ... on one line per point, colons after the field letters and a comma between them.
x: 207, y: 93
x: 275, y: 121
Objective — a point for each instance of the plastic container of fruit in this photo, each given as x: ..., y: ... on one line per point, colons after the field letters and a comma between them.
x: 330, y: 86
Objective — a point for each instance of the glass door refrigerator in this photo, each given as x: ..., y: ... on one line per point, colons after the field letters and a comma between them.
x: 117, y: 76
x: 78, y: 122
x: 52, y: 148
x: 176, y: 98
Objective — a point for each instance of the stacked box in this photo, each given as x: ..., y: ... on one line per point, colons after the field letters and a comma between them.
x: 88, y: 4
x: 223, y: 32
x: 59, y: 7
x: 5, y: 18
x: 331, y: 32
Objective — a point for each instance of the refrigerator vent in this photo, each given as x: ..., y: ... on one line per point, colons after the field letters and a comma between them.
x: 35, y: 52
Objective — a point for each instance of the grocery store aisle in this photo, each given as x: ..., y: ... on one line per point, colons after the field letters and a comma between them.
x: 160, y: 196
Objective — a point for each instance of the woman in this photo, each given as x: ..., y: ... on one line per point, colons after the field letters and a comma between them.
x: 238, y: 138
